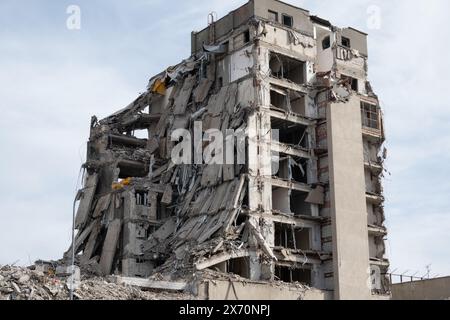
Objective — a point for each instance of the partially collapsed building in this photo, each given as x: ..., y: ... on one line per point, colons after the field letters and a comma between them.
x: 306, y: 204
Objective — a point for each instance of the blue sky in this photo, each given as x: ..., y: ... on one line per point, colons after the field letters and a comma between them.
x: 52, y: 80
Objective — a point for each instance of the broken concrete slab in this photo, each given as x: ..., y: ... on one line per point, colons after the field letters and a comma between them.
x: 86, y: 200
x: 109, y: 247
x: 151, y: 284
x: 182, y: 99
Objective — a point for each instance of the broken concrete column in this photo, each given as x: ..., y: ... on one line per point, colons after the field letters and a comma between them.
x: 109, y: 246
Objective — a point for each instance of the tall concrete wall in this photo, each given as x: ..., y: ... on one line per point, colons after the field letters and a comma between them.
x: 259, y: 8
x: 236, y: 290
x: 358, y: 40
x: 347, y: 186
x: 435, y: 289
x: 300, y: 16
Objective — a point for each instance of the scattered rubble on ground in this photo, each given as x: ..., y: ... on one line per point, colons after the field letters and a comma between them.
x: 42, y: 283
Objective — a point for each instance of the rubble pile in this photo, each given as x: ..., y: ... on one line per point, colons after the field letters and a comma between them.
x: 32, y: 283
x: 141, y: 213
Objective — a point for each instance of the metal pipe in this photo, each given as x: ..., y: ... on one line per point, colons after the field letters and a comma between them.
x: 77, y: 197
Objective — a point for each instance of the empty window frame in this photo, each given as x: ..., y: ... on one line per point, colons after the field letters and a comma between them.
x: 142, y: 198
x: 163, y: 211
x: 241, y: 39
x: 298, y: 170
x: 141, y: 231
x: 278, y: 99
x: 281, y: 167
x: 132, y: 169
x: 326, y: 43
x: 288, y: 100
x: 288, y: 21
x: 284, y: 67
x: 298, y: 205
x: 289, y: 133
x: 291, y: 202
x: 373, y: 185
x: 247, y: 36
x: 354, y: 84
x: 290, y: 275
x: 284, y: 236
x: 345, y: 42
x: 303, y: 238
x: 290, y: 237
x: 273, y: 16
x: 370, y: 115
x: 239, y: 266
x: 351, y: 82
x: 290, y: 168
x: 297, y: 103
x: 280, y: 200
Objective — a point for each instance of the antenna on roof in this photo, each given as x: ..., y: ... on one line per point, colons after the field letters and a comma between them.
x: 212, y: 17
x: 428, y: 270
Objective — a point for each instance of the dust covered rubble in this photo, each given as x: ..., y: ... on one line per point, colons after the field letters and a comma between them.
x: 37, y: 283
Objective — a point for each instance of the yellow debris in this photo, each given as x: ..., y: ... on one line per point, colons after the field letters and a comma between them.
x: 159, y: 87
x: 126, y: 182
x: 121, y: 184
x: 117, y: 186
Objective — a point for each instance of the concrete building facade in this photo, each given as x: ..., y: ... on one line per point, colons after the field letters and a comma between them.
x: 307, y: 204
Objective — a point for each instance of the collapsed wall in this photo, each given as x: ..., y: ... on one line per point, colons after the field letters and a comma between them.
x: 139, y: 210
